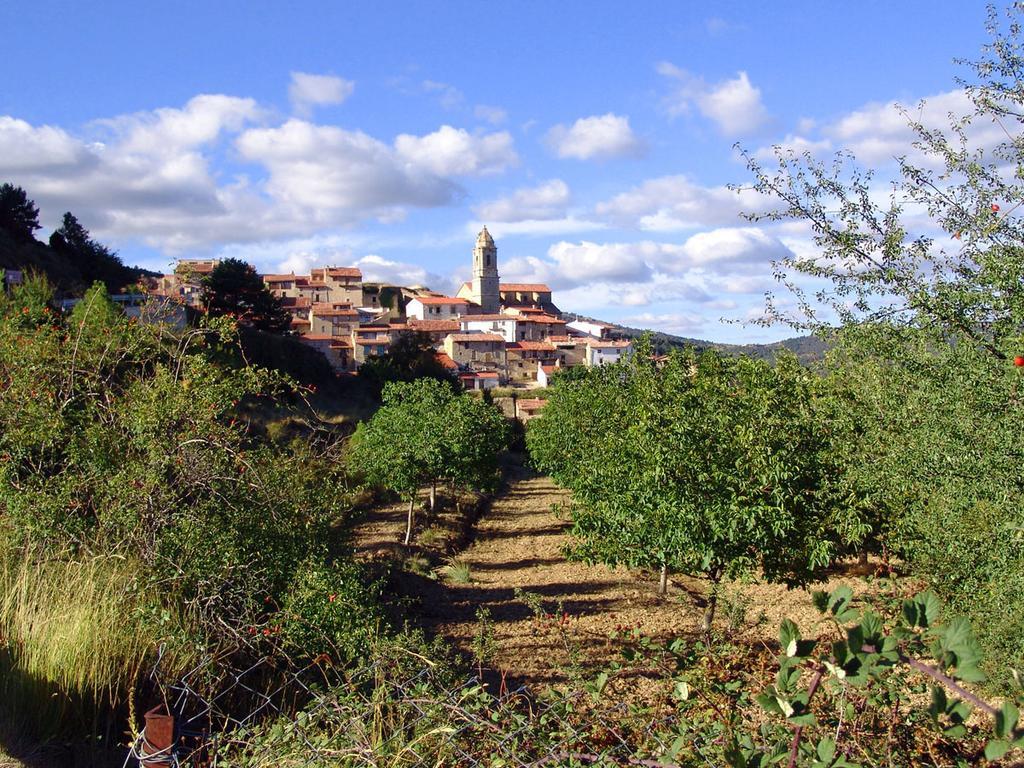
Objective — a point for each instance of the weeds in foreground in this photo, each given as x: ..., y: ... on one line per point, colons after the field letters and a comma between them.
x: 457, y: 572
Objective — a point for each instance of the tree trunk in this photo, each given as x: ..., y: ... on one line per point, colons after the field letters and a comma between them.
x: 709, y: 612
x: 433, y: 495
x: 663, y: 583
x: 408, y: 524
x: 863, y: 559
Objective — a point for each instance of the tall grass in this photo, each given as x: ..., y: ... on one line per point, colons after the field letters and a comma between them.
x: 74, y: 639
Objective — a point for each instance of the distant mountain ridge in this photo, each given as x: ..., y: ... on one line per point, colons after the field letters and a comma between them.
x: 808, y: 349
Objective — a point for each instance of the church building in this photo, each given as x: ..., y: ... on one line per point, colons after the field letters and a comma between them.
x: 484, y: 289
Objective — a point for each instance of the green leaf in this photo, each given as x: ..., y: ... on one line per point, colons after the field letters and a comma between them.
x: 826, y: 750
x: 1006, y: 720
x: 789, y: 634
x: 996, y: 749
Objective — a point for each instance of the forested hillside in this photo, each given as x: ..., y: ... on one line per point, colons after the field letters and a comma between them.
x: 70, y: 259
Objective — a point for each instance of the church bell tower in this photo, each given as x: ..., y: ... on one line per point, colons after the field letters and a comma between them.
x: 485, y: 286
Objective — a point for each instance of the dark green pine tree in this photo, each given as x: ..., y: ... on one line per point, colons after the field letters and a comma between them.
x: 234, y: 287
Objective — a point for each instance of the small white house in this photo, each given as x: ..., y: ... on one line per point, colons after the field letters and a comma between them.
x: 503, y: 325
x: 436, y: 308
x: 588, y: 328
x: 603, y: 352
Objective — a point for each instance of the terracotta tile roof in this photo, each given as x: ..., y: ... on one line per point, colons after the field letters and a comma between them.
x: 334, y: 312
x: 466, y: 338
x: 373, y: 342
x: 316, y: 337
x: 341, y: 344
x: 607, y: 343
x: 433, y: 325
x: 439, y: 300
x: 543, y: 319
x: 199, y: 267
x: 446, y: 362
x: 549, y: 369
x: 336, y: 272
x: 479, y: 375
x: 530, y: 346
x: 531, y: 404
x: 280, y: 278
x: 298, y: 321
x: 523, y: 288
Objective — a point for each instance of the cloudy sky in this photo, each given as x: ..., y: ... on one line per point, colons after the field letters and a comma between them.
x: 595, y: 139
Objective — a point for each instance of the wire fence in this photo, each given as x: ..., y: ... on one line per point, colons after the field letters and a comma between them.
x: 401, y: 710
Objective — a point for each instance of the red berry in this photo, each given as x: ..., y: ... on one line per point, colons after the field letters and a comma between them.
x: 995, y: 208
x: 266, y: 633
x: 1019, y: 361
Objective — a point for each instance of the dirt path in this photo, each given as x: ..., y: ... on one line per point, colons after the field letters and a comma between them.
x: 546, y: 612
x: 519, y: 545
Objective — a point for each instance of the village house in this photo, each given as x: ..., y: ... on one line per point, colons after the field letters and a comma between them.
x: 590, y: 328
x: 528, y: 408
x: 337, y: 351
x: 370, y: 341
x: 186, y: 282
x: 524, y: 356
x: 528, y: 296
x: 572, y: 350
x: 479, y: 380
x: 336, y: 320
x: 436, y: 308
x: 545, y: 372
x: 344, y: 284
x: 478, y: 351
x: 604, y: 352
x: 539, y: 326
x: 436, y: 329
x: 503, y: 325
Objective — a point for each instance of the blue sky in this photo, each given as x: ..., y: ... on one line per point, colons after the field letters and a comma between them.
x: 594, y: 138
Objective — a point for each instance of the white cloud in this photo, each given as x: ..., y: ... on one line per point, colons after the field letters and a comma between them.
x: 154, y: 178
x: 548, y: 200
x: 377, y: 269
x: 148, y: 180
x: 733, y: 248
x: 600, y: 136
x: 308, y: 91
x: 733, y: 105
x: 878, y: 132
x: 26, y: 149
x: 167, y: 131
x: 493, y: 115
x: 452, y: 151
x: 674, y: 203
x: 335, y: 175
x: 698, y: 269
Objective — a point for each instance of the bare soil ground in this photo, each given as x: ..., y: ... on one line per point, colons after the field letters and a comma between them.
x: 517, y: 550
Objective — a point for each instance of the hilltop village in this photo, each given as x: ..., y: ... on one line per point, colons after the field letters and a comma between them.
x: 490, y: 333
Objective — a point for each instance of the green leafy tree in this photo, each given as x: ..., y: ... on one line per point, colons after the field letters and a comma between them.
x: 708, y: 466
x: 424, y: 433
x: 234, y: 288
x: 930, y: 316
x: 19, y: 216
